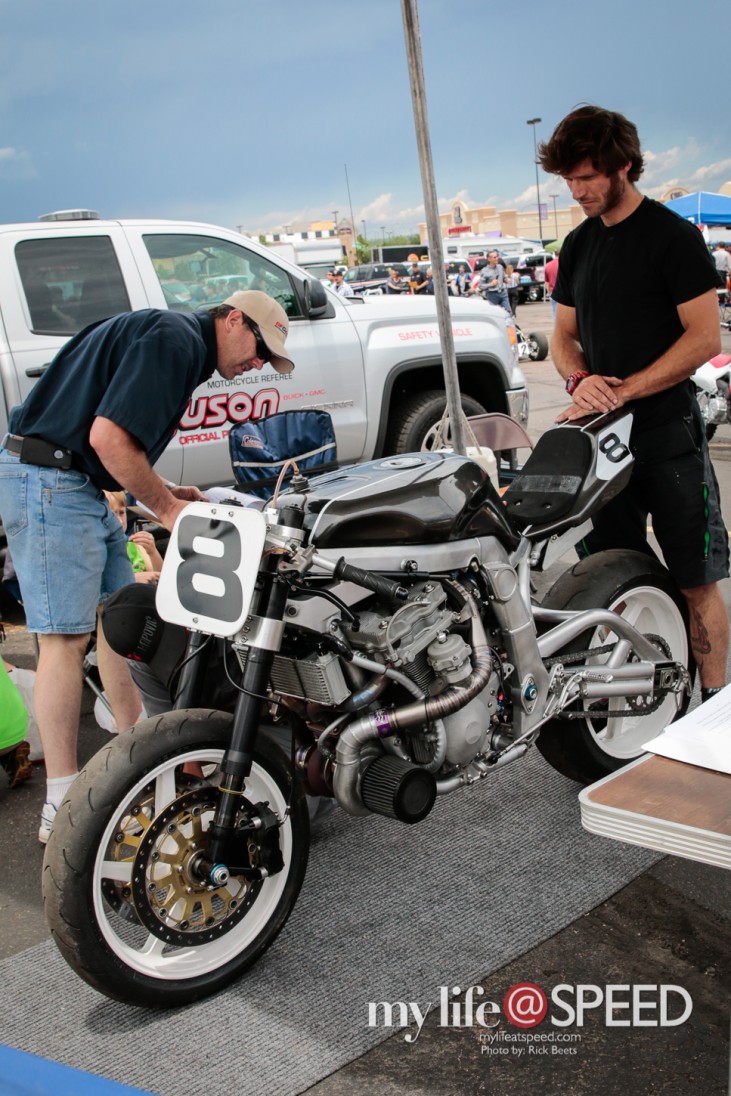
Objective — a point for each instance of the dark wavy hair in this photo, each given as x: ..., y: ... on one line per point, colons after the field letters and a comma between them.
x: 605, y: 137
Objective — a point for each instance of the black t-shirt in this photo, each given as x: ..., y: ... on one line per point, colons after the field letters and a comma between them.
x: 138, y: 369
x: 625, y: 282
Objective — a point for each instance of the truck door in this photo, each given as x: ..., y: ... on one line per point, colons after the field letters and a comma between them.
x: 187, y: 268
x: 56, y: 279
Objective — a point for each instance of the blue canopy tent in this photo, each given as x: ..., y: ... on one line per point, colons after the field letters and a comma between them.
x: 703, y: 208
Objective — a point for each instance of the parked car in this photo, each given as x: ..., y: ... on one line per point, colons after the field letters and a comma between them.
x: 531, y: 289
x: 372, y: 276
x: 536, y: 263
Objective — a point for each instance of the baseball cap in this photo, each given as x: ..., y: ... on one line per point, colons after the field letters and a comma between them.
x: 134, y: 629
x: 270, y: 318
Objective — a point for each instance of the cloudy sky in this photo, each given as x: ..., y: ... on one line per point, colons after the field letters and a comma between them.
x: 246, y: 114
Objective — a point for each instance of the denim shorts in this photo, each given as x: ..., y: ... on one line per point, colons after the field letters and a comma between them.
x: 68, y: 548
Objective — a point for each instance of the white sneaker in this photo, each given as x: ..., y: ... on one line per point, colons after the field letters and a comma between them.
x: 104, y: 717
x: 48, y: 817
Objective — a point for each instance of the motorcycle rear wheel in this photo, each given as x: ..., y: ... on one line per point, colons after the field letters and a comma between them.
x: 120, y: 901
x: 639, y: 588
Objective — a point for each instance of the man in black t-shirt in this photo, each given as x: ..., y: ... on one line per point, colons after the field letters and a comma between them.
x: 636, y: 315
x: 97, y: 420
x: 417, y: 279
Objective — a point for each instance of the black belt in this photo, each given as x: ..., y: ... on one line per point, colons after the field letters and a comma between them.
x: 46, y: 454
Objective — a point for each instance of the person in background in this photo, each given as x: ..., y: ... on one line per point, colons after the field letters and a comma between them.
x: 395, y: 283
x: 463, y: 281
x: 512, y: 281
x: 141, y: 547
x: 492, y: 282
x: 638, y: 340
x: 722, y: 259
x: 551, y: 272
x: 417, y: 279
x: 15, y: 765
x: 338, y: 285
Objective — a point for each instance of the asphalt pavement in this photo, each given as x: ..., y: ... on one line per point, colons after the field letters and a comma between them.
x: 670, y: 927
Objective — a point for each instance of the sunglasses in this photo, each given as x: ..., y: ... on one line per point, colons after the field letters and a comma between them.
x: 262, y: 350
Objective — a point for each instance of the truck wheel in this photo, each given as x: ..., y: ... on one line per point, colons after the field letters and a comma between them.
x: 535, y: 293
x: 415, y: 419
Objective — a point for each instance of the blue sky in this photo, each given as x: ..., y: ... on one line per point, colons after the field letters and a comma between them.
x: 244, y: 114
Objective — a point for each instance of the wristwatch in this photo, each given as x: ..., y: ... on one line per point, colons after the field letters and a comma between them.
x: 573, y: 382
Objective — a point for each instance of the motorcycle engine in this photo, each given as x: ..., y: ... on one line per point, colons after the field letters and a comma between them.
x: 419, y: 640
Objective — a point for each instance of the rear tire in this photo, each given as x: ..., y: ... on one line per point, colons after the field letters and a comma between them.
x: 415, y: 419
x: 641, y: 589
x: 121, y: 899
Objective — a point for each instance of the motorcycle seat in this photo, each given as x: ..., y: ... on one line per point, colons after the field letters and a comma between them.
x: 550, y: 481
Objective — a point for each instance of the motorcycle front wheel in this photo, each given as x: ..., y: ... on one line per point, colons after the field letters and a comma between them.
x: 123, y: 904
x: 610, y: 733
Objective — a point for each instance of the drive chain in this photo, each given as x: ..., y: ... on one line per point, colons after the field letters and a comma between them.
x: 581, y: 656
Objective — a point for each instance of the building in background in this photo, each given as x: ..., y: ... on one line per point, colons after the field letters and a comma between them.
x: 489, y: 221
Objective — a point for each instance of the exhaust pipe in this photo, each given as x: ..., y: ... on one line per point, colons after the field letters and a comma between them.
x: 387, y: 721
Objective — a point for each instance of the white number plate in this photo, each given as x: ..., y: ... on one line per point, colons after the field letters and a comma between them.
x: 210, y: 569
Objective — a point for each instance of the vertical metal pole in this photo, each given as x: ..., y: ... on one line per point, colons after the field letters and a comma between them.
x: 533, y: 122
x: 350, y: 202
x: 412, y: 36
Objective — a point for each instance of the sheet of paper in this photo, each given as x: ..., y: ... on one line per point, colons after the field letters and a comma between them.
x: 703, y: 737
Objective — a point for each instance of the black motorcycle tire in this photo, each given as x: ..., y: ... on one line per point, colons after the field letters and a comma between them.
x: 105, y: 941
x: 415, y: 420
x: 584, y: 749
x: 537, y: 346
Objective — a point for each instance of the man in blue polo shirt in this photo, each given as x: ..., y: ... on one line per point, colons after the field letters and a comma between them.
x: 97, y: 420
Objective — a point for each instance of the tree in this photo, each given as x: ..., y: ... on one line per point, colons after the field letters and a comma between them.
x: 363, y: 250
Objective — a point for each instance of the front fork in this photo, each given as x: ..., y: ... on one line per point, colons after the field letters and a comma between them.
x: 226, y: 839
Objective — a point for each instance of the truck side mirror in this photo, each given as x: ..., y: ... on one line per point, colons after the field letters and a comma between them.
x: 315, y: 298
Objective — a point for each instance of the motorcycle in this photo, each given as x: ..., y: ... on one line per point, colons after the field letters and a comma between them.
x: 384, y: 613
x: 533, y: 346
x: 711, y: 382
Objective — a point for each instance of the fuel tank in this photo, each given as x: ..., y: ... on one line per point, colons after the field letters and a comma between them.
x: 410, y: 498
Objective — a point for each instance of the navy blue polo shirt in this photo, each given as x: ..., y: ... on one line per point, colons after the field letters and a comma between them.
x: 138, y: 369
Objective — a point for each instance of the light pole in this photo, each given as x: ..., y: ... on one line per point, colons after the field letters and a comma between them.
x: 534, y: 122
x: 555, y: 215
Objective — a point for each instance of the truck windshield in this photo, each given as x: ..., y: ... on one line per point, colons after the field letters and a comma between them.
x: 199, y: 271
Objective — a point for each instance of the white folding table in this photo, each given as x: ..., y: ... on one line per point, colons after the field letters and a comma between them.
x: 666, y: 805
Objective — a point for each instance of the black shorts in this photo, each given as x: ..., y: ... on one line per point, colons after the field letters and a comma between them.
x: 673, y: 481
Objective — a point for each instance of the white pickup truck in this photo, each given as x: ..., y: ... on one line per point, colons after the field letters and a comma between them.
x: 375, y: 365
